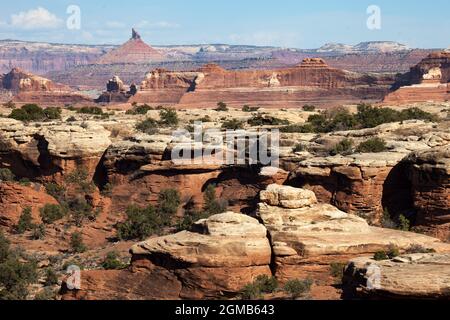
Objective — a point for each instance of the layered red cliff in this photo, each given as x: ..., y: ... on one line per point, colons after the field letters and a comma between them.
x: 313, y: 81
x: 427, y: 81
x: 27, y: 87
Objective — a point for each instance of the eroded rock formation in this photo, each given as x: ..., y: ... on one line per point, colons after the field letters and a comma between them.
x: 306, y: 236
x: 217, y: 259
x: 27, y: 87
x: 116, y: 91
x: 50, y: 151
x: 427, y: 81
x: 223, y: 253
x: 313, y: 81
x: 430, y: 180
x: 134, y: 50
x: 414, y: 276
x: 368, y: 183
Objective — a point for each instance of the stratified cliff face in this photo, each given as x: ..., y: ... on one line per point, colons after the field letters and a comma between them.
x: 41, y: 58
x: 427, y: 81
x: 27, y: 87
x: 312, y: 81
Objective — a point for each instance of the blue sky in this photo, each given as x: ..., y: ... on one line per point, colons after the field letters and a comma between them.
x: 286, y: 23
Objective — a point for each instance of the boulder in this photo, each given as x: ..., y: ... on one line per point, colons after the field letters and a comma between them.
x: 287, y: 197
x: 413, y: 276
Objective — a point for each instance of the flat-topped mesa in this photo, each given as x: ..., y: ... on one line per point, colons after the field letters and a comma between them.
x: 311, y: 82
x: 27, y: 87
x: 18, y: 80
x: 429, y: 80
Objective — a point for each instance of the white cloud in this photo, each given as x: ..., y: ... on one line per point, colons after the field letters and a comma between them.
x: 157, y: 25
x: 39, y: 18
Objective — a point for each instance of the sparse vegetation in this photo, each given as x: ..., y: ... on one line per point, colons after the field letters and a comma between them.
x: 337, y: 269
x: 262, y: 285
x: 112, y: 261
x: 309, y: 108
x: 47, y: 294
x: 403, y: 223
x: 222, y: 107
x: 25, y: 182
x: 80, y: 178
x: 32, y: 112
x: 417, y: 248
x: 81, y: 210
x: 299, y: 148
x: 6, y: 175
x: 340, y: 119
x: 391, y: 253
x: 51, y: 213
x: 91, y: 110
x: 140, y: 223
x: 10, y: 104
x: 76, y: 243
x: 51, y: 278
x: 297, y: 288
x: 344, y: 147
x: 380, y: 256
x: 233, y: 124
x: 55, y: 190
x: 212, y: 205
x: 169, y: 117
x: 15, y: 274
x: 25, y: 221
x: 260, y: 120
x: 168, y: 203
x: 39, y: 232
x: 148, y: 126
x: 247, y: 108
x: 373, y: 145
x: 139, y: 109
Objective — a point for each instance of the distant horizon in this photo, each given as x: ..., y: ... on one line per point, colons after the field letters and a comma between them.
x: 219, y: 44
x: 285, y: 24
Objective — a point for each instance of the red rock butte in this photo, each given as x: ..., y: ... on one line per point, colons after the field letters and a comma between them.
x: 134, y: 51
x: 27, y: 87
x: 427, y: 81
x: 313, y: 81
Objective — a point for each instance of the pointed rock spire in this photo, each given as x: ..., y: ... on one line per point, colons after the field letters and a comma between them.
x: 135, y: 35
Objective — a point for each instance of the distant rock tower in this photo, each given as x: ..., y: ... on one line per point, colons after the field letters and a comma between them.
x: 135, y: 35
x: 134, y: 51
